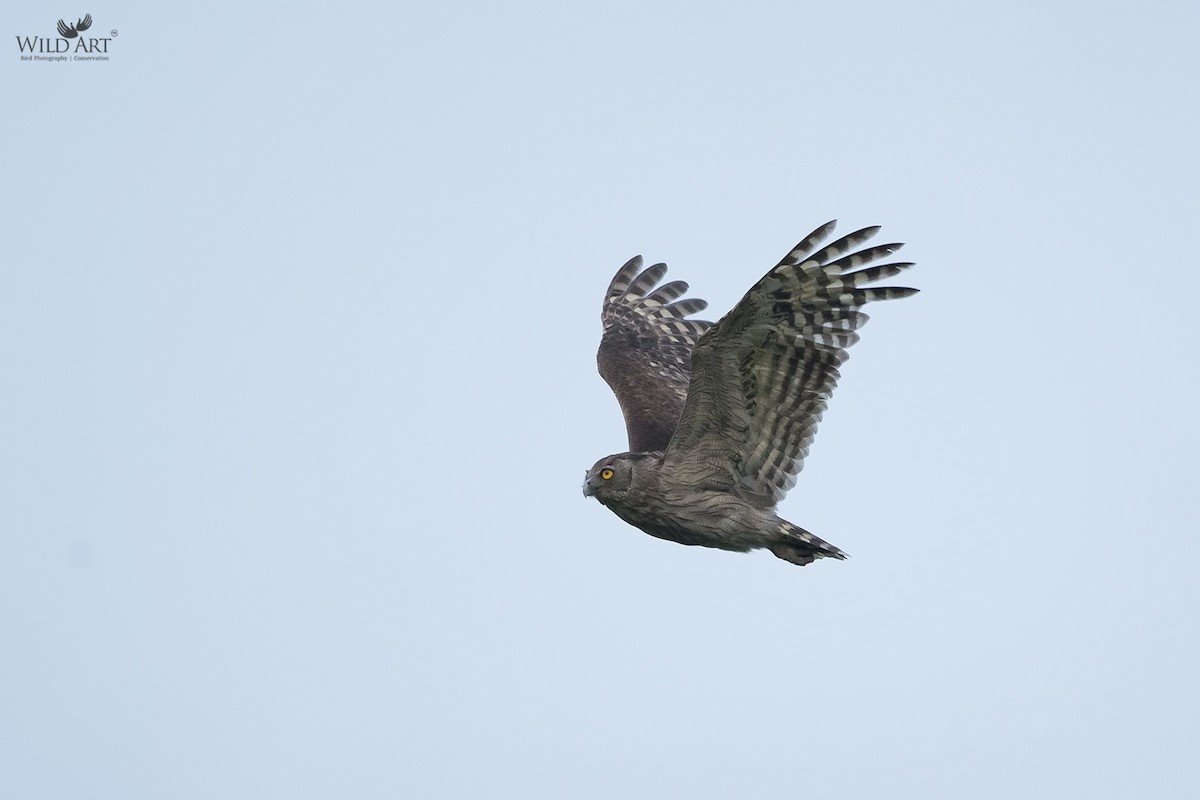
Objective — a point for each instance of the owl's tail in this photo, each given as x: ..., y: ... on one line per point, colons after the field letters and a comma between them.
x: 800, y: 547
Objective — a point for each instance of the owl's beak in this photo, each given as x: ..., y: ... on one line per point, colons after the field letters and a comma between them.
x: 587, y: 487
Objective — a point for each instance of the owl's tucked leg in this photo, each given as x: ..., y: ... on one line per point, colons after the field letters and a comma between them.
x: 797, y: 555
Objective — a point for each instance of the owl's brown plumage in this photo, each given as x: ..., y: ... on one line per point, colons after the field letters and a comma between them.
x: 720, y: 417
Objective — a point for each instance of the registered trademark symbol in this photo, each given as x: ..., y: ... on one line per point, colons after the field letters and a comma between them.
x: 113, y: 32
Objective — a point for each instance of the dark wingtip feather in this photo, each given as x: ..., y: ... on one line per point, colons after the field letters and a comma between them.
x: 888, y: 292
x: 805, y: 245
x: 668, y: 292
x: 647, y: 280
x: 689, y: 305
x: 624, y: 277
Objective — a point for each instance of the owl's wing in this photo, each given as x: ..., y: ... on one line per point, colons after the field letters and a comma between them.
x: 762, y: 375
x: 645, y: 352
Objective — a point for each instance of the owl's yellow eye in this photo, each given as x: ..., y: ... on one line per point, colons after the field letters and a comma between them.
x: 606, y: 473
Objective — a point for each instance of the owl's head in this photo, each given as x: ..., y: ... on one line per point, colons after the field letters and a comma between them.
x: 609, y: 478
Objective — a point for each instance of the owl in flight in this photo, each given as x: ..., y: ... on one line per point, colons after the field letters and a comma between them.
x: 720, y: 416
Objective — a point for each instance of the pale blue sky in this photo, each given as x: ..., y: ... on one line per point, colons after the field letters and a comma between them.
x: 298, y: 313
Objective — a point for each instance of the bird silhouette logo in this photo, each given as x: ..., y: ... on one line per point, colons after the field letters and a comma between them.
x: 71, y: 31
